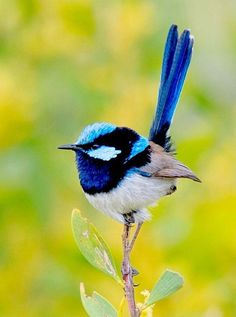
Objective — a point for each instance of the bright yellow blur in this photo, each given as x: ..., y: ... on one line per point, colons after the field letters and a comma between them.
x: 64, y: 64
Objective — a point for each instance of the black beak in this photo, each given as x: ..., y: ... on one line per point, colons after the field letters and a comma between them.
x: 72, y: 147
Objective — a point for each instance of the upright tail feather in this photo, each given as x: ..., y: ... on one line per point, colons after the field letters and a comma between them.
x: 176, y: 60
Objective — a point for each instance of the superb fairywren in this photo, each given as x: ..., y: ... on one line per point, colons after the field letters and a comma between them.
x: 122, y: 172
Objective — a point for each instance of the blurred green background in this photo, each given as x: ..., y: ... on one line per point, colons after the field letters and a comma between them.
x: 67, y: 63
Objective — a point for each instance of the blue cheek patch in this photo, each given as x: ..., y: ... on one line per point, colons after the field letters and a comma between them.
x: 139, y: 146
x: 105, y: 153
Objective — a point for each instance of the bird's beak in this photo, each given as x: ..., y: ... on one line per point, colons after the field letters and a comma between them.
x: 72, y: 147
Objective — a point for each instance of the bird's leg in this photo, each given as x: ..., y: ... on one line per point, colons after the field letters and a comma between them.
x: 129, y: 220
x: 125, y: 240
x: 135, y: 272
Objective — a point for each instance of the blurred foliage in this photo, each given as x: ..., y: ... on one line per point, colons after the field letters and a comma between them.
x: 95, y: 250
x: 66, y: 63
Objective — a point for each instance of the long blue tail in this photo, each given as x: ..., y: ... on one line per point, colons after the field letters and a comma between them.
x: 176, y: 60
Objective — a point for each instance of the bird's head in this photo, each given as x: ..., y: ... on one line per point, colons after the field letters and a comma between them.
x: 107, y: 142
x: 104, y: 154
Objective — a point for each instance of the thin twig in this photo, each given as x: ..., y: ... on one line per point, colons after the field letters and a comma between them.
x: 139, y: 225
x: 127, y: 270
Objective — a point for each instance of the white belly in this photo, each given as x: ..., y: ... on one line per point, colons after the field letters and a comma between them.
x: 135, y: 192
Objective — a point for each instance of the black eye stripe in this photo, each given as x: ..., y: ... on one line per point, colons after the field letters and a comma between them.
x: 121, y: 139
x: 90, y: 146
x: 118, y: 138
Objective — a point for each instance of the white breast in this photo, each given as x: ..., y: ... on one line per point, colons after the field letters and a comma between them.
x: 135, y: 192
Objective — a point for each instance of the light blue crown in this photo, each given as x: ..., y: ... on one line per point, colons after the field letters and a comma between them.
x: 93, y: 131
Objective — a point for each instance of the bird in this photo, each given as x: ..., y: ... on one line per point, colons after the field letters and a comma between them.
x: 122, y: 172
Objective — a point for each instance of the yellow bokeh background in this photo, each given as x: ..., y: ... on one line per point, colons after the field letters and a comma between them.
x: 67, y: 63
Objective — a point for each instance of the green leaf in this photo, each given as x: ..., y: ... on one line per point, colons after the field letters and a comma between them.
x: 96, y: 305
x: 168, y: 284
x: 92, y: 245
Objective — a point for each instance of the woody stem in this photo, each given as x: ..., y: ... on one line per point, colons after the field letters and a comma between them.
x: 126, y: 270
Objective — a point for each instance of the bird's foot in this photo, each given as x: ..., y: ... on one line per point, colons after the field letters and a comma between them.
x: 134, y: 271
x: 129, y: 219
x: 172, y: 189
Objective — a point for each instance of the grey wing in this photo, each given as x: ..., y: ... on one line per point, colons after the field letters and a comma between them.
x: 163, y: 164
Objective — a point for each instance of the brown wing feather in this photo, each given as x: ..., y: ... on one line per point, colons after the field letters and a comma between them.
x: 164, y: 164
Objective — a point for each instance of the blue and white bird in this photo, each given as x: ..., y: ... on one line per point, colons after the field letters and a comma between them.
x: 122, y: 172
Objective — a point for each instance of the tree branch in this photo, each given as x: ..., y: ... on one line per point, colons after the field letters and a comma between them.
x: 127, y: 271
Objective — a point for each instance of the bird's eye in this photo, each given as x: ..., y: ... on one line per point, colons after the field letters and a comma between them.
x: 95, y: 146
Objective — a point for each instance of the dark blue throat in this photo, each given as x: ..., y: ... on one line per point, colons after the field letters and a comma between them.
x: 97, y: 176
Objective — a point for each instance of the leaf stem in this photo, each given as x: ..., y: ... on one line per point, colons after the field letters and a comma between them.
x: 127, y: 271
